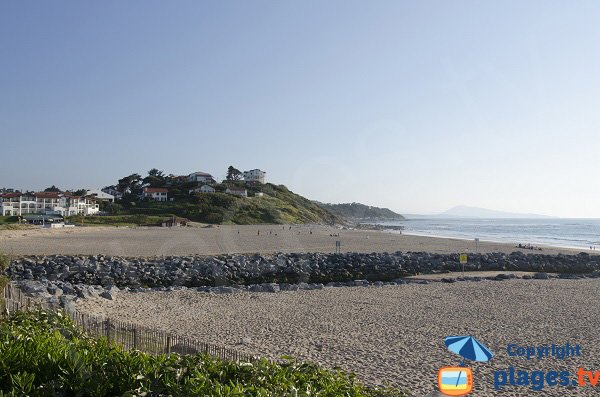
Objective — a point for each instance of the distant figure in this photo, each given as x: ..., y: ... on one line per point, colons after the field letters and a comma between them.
x: 258, y: 233
x: 290, y: 228
x: 310, y: 231
x: 238, y: 231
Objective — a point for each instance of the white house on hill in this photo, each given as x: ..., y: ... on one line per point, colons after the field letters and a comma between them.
x: 155, y: 193
x: 238, y: 191
x: 255, y: 176
x: 201, y: 177
x: 203, y: 189
x: 100, y: 195
x: 112, y: 190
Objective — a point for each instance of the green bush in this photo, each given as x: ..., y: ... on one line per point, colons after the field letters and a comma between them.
x: 44, y: 354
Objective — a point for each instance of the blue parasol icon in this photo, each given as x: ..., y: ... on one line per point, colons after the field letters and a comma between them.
x: 468, y: 348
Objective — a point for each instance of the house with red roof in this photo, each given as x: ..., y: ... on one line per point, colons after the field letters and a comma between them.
x: 155, y: 193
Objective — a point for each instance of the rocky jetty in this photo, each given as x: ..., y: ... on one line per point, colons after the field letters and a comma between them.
x: 53, y: 277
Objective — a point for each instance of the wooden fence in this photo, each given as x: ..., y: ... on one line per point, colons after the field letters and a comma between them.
x: 130, y: 336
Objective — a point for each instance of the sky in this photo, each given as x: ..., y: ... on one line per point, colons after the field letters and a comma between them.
x: 417, y: 106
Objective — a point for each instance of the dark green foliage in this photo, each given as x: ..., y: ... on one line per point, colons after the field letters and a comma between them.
x: 360, y: 211
x: 119, y: 220
x: 52, y: 189
x: 44, y: 354
x: 8, y: 219
x: 233, y: 174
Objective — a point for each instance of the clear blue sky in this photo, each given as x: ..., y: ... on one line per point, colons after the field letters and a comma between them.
x: 416, y: 106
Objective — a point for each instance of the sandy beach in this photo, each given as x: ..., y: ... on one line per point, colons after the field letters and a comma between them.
x: 264, y: 239
x: 387, y: 335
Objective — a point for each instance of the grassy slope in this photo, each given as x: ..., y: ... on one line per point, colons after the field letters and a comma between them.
x: 46, y: 355
x: 360, y: 211
x: 277, y: 206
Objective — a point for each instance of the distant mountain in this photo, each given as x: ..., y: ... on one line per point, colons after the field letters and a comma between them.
x: 360, y: 211
x: 463, y: 211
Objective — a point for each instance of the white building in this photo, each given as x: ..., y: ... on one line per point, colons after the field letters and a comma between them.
x: 238, y: 191
x: 113, y: 192
x: 201, y: 177
x: 100, y: 195
x: 255, y: 176
x: 55, y: 203
x: 155, y: 193
x: 203, y: 189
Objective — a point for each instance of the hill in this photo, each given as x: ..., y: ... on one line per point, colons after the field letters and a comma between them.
x: 277, y: 205
x: 463, y: 211
x: 360, y: 211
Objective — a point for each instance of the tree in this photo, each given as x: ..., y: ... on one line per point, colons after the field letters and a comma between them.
x: 130, y: 184
x: 155, y: 178
x: 233, y: 174
x: 155, y: 172
x: 52, y: 189
x: 80, y: 192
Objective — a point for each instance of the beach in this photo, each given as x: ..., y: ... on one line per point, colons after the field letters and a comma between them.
x: 230, y: 239
x: 387, y: 335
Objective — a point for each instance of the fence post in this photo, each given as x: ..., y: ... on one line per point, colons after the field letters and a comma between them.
x: 168, y: 344
x: 135, y: 339
x: 107, y: 326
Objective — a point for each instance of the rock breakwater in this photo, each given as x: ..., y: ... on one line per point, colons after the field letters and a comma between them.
x: 91, y: 276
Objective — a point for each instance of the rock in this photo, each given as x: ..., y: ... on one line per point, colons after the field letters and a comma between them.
x: 86, y: 291
x: 541, y: 276
x: 54, y: 290
x: 108, y: 295
x: 223, y: 290
x: 67, y: 302
x: 270, y: 287
x: 245, y: 341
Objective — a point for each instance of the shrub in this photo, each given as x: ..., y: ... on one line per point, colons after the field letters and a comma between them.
x: 45, y: 354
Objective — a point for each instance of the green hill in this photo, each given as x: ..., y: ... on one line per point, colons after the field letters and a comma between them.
x: 277, y: 205
x: 360, y: 211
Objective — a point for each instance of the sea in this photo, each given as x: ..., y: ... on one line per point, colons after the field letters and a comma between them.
x: 567, y: 233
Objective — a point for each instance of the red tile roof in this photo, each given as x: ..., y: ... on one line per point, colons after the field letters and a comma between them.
x: 46, y: 194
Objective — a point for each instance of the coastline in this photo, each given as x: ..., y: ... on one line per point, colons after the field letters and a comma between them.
x: 233, y: 239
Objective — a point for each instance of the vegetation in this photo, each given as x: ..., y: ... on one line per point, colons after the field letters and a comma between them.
x: 119, y: 220
x: 45, y: 354
x: 233, y: 174
x: 265, y: 204
x: 4, y: 263
x: 53, y: 189
x: 360, y: 211
x: 277, y: 205
x: 4, y: 220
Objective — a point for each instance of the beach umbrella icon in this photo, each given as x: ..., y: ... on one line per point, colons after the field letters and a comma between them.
x: 468, y: 348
